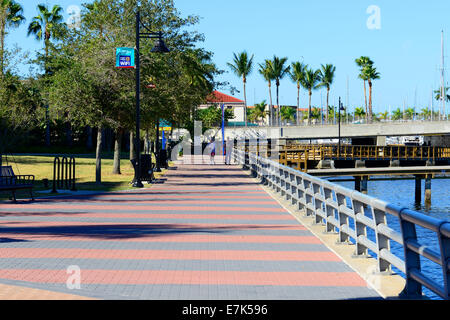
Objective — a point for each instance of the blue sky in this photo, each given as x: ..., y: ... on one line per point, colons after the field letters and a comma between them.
x: 406, y: 48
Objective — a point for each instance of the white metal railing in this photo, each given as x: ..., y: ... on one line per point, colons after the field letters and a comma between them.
x: 351, y: 214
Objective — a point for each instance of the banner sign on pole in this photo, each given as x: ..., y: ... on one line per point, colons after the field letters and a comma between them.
x: 125, y: 58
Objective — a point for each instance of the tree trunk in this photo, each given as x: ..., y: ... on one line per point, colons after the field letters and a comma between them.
x: 98, y: 157
x: 271, y: 105
x: 298, y: 104
x: 370, y: 101
x: 245, y: 102
x: 309, y: 108
x: 328, y: 95
x: 117, y: 149
x: 278, y: 113
x: 157, y: 148
x: 89, y: 138
x: 47, y: 126
x: 69, y: 136
x: 132, y: 146
x: 147, y: 142
x: 365, y: 97
x: 2, y: 52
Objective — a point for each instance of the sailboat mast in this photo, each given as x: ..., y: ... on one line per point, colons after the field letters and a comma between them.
x: 443, y: 93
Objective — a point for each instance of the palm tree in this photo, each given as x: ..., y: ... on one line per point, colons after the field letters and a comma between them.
x: 315, y: 113
x: 266, y: 71
x: 310, y: 83
x: 384, y: 115
x: 11, y: 15
x: 425, y: 113
x: 439, y: 92
x: 410, y: 112
x: 259, y: 112
x: 359, y: 112
x: 287, y: 113
x: 242, y: 66
x: 371, y: 74
x: 331, y: 114
x: 279, y: 71
x: 397, y: 114
x: 46, y: 25
x: 363, y: 62
x: 297, y: 75
x: 326, y: 77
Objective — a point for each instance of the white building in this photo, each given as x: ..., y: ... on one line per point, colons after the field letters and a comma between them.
x: 236, y: 105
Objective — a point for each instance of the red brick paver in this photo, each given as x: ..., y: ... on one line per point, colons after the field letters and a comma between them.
x: 207, y: 232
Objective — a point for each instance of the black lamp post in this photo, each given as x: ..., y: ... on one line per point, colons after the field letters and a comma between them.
x: 160, y: 47
x: 341, y: 108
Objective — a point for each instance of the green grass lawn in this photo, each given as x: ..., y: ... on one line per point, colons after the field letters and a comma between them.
x: 42, y: 168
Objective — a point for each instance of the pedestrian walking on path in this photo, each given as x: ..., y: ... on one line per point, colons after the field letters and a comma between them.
x: 212, y: 151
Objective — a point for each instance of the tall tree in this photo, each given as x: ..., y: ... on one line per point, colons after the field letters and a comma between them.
x: 98, y: 94
x: 410, y: 113
x: 359, y: 113
x: 310, y: 82
x: 287, y: 114
x: 45, y: 26
x: 326, y: 74
x: 363, y: 62
x: 11, y: 15
x: 397, y: 114
x: 371, y: 74
x: 297, y: 75
x: 259, y: 112
x: 438, y: 94
x: 242, y: 66
x: 279, y: 71
x: 384, y: 115
x: 266, y: 71
x: 425, y: 113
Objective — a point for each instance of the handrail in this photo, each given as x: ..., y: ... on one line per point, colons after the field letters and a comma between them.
x: 330, y: 152
x: 350, y: 214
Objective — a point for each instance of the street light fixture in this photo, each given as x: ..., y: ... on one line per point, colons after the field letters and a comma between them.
x: 160, y: 47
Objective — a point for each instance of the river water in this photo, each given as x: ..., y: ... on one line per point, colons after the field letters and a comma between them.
x: 401, y: 193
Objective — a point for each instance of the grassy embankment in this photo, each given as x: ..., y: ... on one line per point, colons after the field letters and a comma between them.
x: 42, y: 168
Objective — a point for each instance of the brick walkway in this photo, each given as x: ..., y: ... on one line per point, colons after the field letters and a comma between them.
x: 207, y: 232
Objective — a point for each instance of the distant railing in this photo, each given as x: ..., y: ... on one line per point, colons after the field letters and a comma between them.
x: 344, y: 152
x: 350, y: 214
x: 297, y: 156
x: 317, y: 123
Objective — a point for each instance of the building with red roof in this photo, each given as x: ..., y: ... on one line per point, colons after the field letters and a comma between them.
x: 230, y: 102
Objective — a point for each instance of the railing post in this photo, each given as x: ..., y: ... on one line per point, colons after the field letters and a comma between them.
x: 318, y: 203
x: 300, y: 193
x: 343, y: 219
x: 328, y: 193
x: 360, y: 228
x: 383, y: 243
x: 444, y: 242
x: 308, y: 198
x: 412, y: 259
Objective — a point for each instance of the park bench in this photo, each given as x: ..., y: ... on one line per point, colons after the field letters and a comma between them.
x: 9, y: 181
